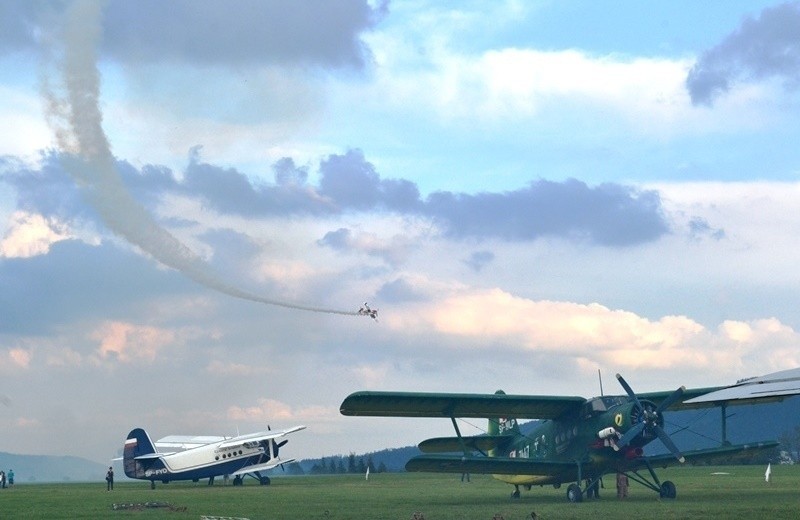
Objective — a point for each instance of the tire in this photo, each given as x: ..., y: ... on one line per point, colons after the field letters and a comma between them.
x: 668, y: 490
x: 574, y: 493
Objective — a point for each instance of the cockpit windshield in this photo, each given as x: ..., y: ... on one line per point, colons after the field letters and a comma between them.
x: 603, y: 404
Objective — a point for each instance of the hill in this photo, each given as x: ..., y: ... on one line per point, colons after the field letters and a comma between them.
x: 47, y: 468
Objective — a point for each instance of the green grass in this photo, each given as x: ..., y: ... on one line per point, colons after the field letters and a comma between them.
x: 742, y: 493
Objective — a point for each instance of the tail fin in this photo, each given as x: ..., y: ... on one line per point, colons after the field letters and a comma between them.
x: 504, y: 426
x: 137, y: 444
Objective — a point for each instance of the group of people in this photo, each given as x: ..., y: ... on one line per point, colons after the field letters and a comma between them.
x: 593, y: 487
x: 6, y: 480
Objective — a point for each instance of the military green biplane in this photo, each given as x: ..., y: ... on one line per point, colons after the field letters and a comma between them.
x: 577, y: 441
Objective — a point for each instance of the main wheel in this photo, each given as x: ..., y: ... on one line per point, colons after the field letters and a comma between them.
x: 574, y: 493
x: 668, y: 489
x: 264, y: 481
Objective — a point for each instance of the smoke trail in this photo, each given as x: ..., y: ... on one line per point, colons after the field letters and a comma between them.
x: 77, y: 122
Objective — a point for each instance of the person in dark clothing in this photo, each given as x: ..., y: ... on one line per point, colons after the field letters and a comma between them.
x: 110, y: 479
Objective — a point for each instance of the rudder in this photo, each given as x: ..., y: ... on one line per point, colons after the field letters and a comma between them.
x: 503, y: 426
x: 137, y: 444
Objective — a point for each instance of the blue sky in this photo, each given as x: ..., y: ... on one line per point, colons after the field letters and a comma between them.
x: 529, y: 192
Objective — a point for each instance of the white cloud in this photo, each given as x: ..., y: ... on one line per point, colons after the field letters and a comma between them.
x: 127, y: 342
x: 31, y: 234
x: 483, y: 319
x: 271, y: 410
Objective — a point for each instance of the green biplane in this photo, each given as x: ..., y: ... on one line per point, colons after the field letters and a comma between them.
x: 577, y: 441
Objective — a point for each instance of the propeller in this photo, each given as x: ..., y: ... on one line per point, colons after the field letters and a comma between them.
x: 649, y: 416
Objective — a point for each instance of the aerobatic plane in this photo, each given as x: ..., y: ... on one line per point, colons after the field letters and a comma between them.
x: 577, y: 441
x: 196, y: 458
x: 367, y: 311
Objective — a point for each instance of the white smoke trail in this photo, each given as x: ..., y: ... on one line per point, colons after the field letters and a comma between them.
x: 77, y: 122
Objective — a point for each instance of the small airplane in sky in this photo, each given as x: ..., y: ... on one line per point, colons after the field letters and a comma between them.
x: 201, y: 457
x: 577, y: 441
x: 367, y: 311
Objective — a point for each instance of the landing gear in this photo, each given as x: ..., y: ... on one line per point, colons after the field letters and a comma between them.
x: 264, y: 481
x: 515, y: 494
x: 237, y: 480
x: 574, y: 493
x: 667, y: 490
x: 152, y: 484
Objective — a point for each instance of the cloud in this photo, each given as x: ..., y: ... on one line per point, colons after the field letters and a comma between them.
x: 210, y: 33
x: 479, y: 259
x: 18, y: 357
x: 30, y: 235
x: 761, y: 48
x: 401, y: 290
x: 224, y: 369
x: 393, y: 251
x: 609, y: 214
x: 489, y: 319
x: 127, y: 343
x: 278, y: 411
x: 699, y: 227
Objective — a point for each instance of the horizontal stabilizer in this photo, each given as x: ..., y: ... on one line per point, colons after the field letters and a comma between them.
x: 151, y: 456
x: 482, y: 443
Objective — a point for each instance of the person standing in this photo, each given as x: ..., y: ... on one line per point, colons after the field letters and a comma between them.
x: 110, y: 479
x: 622, y: 485
x: 10, y: 477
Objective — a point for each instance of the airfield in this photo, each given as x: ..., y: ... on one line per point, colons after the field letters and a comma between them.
x: 703, y: 492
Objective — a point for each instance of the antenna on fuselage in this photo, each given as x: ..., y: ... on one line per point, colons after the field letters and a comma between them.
x: 600, y: 377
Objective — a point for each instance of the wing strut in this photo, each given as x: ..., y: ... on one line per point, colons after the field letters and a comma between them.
x: 458, y: 434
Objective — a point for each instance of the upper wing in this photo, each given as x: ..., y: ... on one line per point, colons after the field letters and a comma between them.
x: 682, y: 404
x: 771, y: 387
x: 419, y: 404
x: 185, y: 442
x: 258, y: 437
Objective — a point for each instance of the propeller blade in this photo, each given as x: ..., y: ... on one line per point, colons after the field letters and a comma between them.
x: 669, y: 444
x: 630, y: 435
x: 629, y: 391
x: 669, y: 401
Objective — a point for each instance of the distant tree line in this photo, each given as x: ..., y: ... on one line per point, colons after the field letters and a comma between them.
x: 383, y: 461
x: 341, y: 465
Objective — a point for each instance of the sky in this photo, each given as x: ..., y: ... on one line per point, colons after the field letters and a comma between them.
x: 196, y: 197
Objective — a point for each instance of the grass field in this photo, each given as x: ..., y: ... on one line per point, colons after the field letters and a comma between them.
x: 739, y: 493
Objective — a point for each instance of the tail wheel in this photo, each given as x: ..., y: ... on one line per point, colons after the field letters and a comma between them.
x: 668, y: 489
x: 574, y: 493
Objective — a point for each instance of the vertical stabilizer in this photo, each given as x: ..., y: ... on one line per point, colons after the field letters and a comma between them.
x: 503, y: 426
x: 138, y: 444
